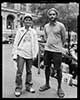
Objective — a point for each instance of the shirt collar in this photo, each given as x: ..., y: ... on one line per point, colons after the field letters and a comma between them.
x: 29, y: 28
x: 53, y: 24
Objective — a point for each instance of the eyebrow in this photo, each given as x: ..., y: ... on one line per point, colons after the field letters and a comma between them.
x: 52, y: 14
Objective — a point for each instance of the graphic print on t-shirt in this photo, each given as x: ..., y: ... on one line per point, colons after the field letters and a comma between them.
x: 27, y: 38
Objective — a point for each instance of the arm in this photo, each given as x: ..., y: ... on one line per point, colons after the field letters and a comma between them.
x: 45, y: 34
x: 16, y: 40
x: 63, y: 34
x: 36, y: 44
x: 63, y: 37
x: 35, y: 47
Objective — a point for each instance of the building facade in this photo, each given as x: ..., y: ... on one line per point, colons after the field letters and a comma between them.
x: 11, y: 16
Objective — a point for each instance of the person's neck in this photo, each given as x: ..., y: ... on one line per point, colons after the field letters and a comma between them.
x: 27, y: 27
x: 52, y: 22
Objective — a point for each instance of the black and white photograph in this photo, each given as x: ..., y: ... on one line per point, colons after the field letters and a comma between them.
x: 39, y: 50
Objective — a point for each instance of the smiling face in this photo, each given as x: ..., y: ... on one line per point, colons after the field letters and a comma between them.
x: 28, y: 21
x: 52, y: 15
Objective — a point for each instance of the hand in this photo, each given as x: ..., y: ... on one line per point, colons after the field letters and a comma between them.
x: 34, y: 58
x: 15, y: 60
x: 14, y: 57
x: 65, y: 51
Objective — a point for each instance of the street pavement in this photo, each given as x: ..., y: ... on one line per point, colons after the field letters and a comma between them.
x: 8, y: 80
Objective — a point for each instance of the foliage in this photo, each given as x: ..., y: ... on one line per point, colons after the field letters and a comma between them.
x: 68, y: 13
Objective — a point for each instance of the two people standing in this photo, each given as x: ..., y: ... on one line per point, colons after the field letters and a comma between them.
x: 55, y: 38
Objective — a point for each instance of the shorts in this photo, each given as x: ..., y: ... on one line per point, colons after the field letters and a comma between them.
x: 53, y: 57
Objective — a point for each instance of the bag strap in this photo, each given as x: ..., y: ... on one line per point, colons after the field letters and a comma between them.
x: 21, y: 38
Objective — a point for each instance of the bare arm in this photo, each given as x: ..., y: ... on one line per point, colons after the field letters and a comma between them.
x: 45, y: 34
x: 63, y: 34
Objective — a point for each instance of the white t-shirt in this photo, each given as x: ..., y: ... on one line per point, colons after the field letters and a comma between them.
x: 25, y: 46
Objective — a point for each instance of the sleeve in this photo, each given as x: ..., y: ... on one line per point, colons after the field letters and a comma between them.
x: 14, y: 49
x: 36, y: 45
x: 63, y: 34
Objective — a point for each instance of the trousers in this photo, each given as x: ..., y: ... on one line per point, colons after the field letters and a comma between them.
x: 56, y: 58
x: 20, y: 67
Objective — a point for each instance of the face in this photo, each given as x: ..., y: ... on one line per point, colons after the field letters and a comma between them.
x: 28, y: 21
x: 52, y: 15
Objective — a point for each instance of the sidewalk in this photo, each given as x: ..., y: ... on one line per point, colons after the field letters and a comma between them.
x: 38, y: 80
x: 8, y: 81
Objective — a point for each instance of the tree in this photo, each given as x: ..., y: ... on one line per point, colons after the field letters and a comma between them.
x: 68, y: 13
